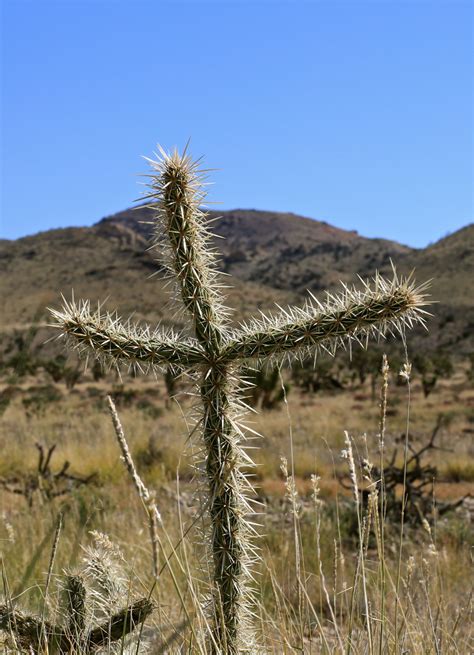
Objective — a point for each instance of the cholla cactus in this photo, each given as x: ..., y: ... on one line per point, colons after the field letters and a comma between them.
x: 98, y: 616
x: 215, y: 354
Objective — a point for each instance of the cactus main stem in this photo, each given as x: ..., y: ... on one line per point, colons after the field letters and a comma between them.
x: 189, y: 262
x: 226, y: 511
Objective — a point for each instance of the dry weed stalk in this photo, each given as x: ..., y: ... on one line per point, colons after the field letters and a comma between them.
x: 216, y: 352
x: 154, y: 516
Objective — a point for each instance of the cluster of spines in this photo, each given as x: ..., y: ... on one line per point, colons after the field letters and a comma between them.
x: 353, y: 315
x: 97, y: 614
x: 229, y: 497
x: 183, y: 239
x: 107, y: 337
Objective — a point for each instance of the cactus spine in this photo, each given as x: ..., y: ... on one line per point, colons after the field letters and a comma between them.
x: 216, y: 352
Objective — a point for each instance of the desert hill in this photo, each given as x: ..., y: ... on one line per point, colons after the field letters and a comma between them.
x: 282, y: 251
x: 272, y: 257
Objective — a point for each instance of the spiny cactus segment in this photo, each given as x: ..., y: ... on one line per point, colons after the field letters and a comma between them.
x: 35, y: 634
x: 97, y: 612
x: 215, y: 354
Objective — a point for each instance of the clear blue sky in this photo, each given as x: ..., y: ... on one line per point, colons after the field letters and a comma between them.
x: 357, y: 113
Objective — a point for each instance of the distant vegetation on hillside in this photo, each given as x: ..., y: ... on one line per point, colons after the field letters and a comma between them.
x: 272, y: 257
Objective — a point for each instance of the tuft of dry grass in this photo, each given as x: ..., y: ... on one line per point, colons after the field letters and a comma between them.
x: 311, y: 559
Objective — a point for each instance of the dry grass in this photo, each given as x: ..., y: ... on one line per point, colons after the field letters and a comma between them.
x: 309, y: 550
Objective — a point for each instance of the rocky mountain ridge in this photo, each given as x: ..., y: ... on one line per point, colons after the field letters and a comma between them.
x: 272, y: 257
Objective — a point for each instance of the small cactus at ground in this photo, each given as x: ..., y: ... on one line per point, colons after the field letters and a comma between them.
x: 215, y: 353
x: 97, y: 613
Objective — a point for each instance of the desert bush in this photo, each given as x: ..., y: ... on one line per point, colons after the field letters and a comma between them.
x: 22, y: 359
x: 98, y: 372
x: 311, y: 378
x: 7, y: 395
x: 124, y: 397
x: 266, y: 388
x: 470, y: 370
x: 415, y: 476
x: 44, y: 482
x: 431, y: 367
x: 60, y: 371
x: 39, y: 398
x: 365, y: 362
x: 173, y: 383
x: 55, y: 367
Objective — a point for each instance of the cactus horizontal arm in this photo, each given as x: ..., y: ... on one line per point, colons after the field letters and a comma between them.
x: 102, y: 334
x: 119, y: 625
x: 29, y: 632
x: 350, y: 315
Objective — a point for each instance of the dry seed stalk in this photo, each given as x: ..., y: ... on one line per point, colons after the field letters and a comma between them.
x: 154, y: 516
x: 176, y: 194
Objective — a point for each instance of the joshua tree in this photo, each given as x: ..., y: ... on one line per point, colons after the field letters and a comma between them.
x: 431, y: 367
x: 215, y: 353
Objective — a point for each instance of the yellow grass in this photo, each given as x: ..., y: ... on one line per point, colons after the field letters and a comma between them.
x: 292, y: 604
